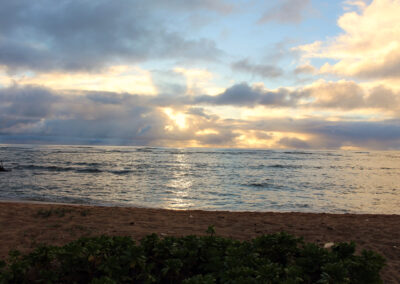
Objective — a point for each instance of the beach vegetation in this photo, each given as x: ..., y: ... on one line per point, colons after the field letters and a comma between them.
x: 275, y: 258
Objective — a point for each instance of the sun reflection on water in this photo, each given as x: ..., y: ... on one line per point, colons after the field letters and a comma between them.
x: 180, y: 184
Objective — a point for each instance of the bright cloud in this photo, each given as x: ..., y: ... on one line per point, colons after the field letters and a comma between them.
x: 198, y: 81
x: 120, y: 79
x: 369, y: 46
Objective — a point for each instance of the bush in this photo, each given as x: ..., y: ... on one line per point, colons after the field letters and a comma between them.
x: 277, y: 258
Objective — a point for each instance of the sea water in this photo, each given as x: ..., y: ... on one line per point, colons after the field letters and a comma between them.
x: 208, y: 179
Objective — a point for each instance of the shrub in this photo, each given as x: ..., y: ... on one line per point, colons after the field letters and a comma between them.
x: 276, y: 258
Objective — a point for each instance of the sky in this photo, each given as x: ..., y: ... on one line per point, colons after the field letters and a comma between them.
x: 299, y: 74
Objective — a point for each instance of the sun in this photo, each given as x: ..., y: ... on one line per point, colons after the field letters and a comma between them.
x: 178, y: 118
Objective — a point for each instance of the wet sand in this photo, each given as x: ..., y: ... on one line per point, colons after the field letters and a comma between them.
x: 23, y: 225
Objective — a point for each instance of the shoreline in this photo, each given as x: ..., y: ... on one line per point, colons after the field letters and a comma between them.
x: 119, y: 205
x: 26, y: 224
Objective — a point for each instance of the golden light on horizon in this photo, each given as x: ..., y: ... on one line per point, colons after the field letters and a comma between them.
x: 207, y: 132
x: 120, y: 79
x: 351, y: 148
x: 267, y: 140
x: 253, y: 139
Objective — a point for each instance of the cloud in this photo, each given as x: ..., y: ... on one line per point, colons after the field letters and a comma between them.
x: 199, y: 112
x: 28, y: 102
x: 324, y: 134
x: 122, y: 78
x: 245, y: 95
x: 369, y: 46
x: 286, y: 12
x: 211, y: 5
x: 240, y: 94
x: 384, y: 98
x: 360, y: 4
x: 262, y: 70
x: 198, y: 81
x: 340, y: 95
x: 293, y: 143
x: 89, y: 35
x: 33, y: 110
x: 36, y: 114
x: 169, y: 82
x: 225, y: 137
x: 320, y: 95
x: 344, y: 96
x: 304, y: 69
x: 388, y: 67
x: 348, y: 95
x: 375, y: 135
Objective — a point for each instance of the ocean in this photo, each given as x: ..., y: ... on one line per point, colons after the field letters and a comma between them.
x: 207, y: 179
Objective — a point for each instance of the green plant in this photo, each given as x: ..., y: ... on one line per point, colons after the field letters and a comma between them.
x: 276, y: 258
x: 211, y: 230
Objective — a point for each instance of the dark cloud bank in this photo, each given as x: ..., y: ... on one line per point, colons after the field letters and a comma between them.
x: 87, y: 35
x: 31, y: 114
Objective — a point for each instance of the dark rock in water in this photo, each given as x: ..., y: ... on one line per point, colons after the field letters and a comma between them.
x: 2, y: 169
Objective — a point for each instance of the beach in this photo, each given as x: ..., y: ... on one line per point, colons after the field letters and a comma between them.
x: 24, y: 225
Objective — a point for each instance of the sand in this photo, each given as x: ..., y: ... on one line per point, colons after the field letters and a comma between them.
x: 24, y: 225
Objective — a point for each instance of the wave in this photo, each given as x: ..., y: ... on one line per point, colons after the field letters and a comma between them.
x: 393, y: 156
x: 119, y: 151
x: 73, y: 169
x: 265, y: 185
x: 131, y: 150
x: 267, y: 182
x: 121, y: 172
x: 88, y: 170
x: 45, y: 168
x: 259, y: 184
x: 297, y: 153
x: 148, y: 149
x: 87, y: 164
x: 254, y: 152
x: 78, y: 151
x: 220, y: 152
x: 331, y: 154
x: 281, y: 166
